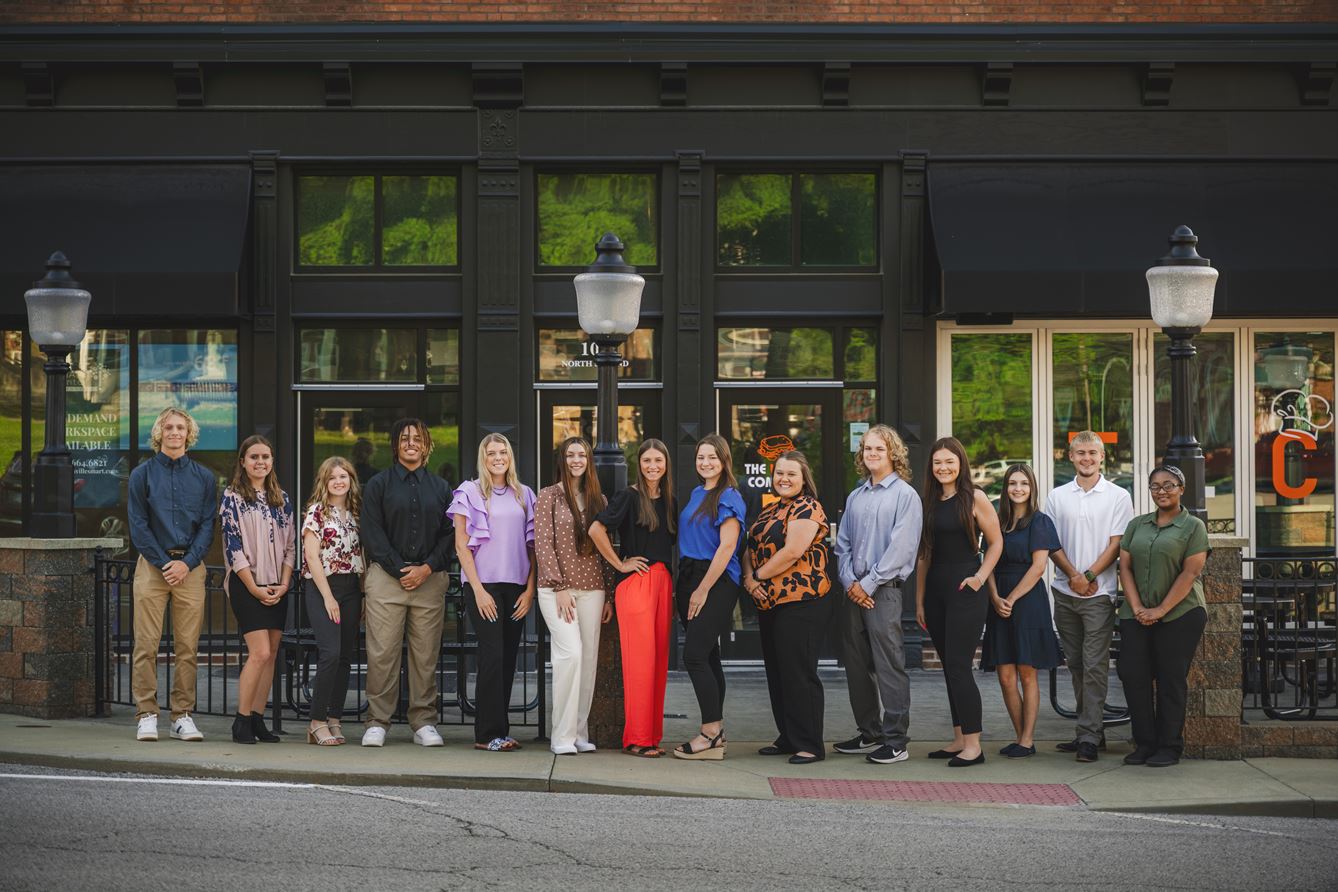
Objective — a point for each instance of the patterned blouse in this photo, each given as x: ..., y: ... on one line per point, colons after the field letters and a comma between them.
x: 257, y: 536
x: 337, y: 532
x: 806, y: 579
x: 560, y: 564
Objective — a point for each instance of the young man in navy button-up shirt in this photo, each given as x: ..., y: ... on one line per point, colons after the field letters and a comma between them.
x: 172, y: 505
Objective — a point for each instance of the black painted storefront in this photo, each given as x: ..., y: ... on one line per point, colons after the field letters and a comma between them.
x: 172, y: 187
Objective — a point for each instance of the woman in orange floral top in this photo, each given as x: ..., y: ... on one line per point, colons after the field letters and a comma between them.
x: 785, y: 570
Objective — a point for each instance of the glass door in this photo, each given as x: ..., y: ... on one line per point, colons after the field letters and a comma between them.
x: 354, y: 424
x: 761, y: 424
x: 571, y: 413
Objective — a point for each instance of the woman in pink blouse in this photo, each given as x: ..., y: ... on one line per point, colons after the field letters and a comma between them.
x: 332, y: 568
x: 494, y: 540
x: 259, y: 550
x: 572, y: 583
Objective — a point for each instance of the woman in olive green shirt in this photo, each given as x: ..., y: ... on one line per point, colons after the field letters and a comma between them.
x: 1161, y: 621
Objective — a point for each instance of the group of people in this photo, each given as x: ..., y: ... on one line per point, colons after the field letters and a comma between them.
x: 377, y: 555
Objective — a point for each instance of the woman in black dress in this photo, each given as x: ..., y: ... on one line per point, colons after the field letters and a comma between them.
x: 950, y: 595
x: 1020, y: 632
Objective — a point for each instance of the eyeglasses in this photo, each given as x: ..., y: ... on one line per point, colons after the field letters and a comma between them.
x: 1163, y: 487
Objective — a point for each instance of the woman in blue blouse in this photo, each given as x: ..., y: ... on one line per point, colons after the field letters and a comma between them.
x: 708, y: 586
x: 1019, y: 633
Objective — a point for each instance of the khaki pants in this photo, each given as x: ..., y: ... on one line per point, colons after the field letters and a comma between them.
x: 393, y: 614
x: 151, y: 597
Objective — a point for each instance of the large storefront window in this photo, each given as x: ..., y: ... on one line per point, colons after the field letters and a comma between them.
x: 192, y: 369
x: 369, y: 221
x: 567, y: 355
x: 835, y: 226
x: 1093, y: 379
x: 1294, y: 442
x: 362, y: 355
x: 576, y: 209
x: 753, y: 353
x: 992, y: 405
x: 1214, y: 391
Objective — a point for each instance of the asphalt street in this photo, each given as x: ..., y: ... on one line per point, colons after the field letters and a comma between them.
x: 79, y: 830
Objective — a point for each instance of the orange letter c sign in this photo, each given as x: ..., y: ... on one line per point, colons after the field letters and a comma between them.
x: 1307, y: 441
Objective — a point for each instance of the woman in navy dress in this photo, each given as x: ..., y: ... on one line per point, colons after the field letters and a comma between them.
x: 1019, y: 632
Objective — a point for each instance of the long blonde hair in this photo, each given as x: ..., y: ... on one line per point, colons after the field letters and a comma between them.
x: 485, y: 478
x: 156, y: 432
x: 320, y: 491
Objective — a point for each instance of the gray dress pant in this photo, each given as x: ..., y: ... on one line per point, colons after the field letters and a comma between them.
x: 875, y: 658
x: 1086, y: 626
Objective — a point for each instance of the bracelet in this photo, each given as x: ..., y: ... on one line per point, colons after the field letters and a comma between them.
x: 1089, y: 575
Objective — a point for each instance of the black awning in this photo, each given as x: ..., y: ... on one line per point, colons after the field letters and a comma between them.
x: 1075, y: 238
x: 145, y: 240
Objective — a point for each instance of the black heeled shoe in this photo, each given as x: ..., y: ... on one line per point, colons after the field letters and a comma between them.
x: 959, y: 762
x: 261, y: 733
x: 242, y: 731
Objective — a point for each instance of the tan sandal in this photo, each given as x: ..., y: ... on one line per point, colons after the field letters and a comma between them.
x: 321, y: 736
x: 337, y: 730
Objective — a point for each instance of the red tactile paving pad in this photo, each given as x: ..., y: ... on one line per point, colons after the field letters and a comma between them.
x: 925, y: 791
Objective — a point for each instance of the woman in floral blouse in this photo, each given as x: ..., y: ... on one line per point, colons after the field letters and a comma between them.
x: 332, y: 570
x: 259, y: 552
x: 785, y: 571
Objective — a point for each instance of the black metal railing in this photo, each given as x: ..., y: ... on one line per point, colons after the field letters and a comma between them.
x: 221, y: 654
x: 1289, y: 638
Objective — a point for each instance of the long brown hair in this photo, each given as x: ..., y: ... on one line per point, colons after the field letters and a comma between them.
x: 241, y: 483
x: 320, y: 490
x: 645, y: 506
x: 805, y: 472
x: 965, y: 497
x: 587, y: 484
x: 1009, y: 517
x: 710, y: 505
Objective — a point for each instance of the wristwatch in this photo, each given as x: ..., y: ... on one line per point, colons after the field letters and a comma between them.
x: 1089, y: 575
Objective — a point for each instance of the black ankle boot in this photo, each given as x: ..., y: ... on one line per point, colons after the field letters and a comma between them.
x: 260, y: 732
x: 241, y: 730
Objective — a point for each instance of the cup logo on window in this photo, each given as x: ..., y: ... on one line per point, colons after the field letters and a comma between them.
x: 1299, y: 413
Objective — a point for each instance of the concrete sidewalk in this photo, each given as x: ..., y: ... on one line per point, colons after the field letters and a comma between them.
x: 1270, y: 786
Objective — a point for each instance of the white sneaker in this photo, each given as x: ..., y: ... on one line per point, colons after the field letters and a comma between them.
x: 148, y: 728
x: 374, y: 736
x: 585, y: 746
x: 568, y: 750
x: 184, y: 729
x: 427, y: 736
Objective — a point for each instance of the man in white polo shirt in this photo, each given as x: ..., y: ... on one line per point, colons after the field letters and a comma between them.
x: 1090, y: 514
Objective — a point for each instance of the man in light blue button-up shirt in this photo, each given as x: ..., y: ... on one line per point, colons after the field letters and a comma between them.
x: 876, y: 546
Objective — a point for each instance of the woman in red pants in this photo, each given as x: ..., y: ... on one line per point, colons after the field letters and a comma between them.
x: 644, y: 515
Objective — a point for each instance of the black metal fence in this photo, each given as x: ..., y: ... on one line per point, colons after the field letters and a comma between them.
x: 1289, y: 638
x: 221, y: 655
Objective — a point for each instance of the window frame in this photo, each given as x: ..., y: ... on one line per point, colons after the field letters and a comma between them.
x: 1243, y: 332
x: 378, y: 265
x: 657, y: 186
x: 796, y: 235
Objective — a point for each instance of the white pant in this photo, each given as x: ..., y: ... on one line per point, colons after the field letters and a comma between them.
x: 575, y: 654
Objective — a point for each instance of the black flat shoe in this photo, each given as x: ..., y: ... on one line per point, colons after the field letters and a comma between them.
x: 959, y: 762
x: 804, y: 760
x: 944, y: 754
x: 1140, y: 756
x: 261, y: 733
x: 1017, y: 751
x: 1163, y: 759
x: 772, y: 750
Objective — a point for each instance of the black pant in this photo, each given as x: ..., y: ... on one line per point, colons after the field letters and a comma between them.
x: 499, y: 642
x: 956, y: 621
x: 335, y: 644
x: 792, y: 637
x: 1159, y: 653
x: 701, y: 638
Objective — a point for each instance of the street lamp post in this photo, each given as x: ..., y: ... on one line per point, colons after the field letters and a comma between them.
x: 57, y: 319
x: 1181, y: 288
x: 608, y: 301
